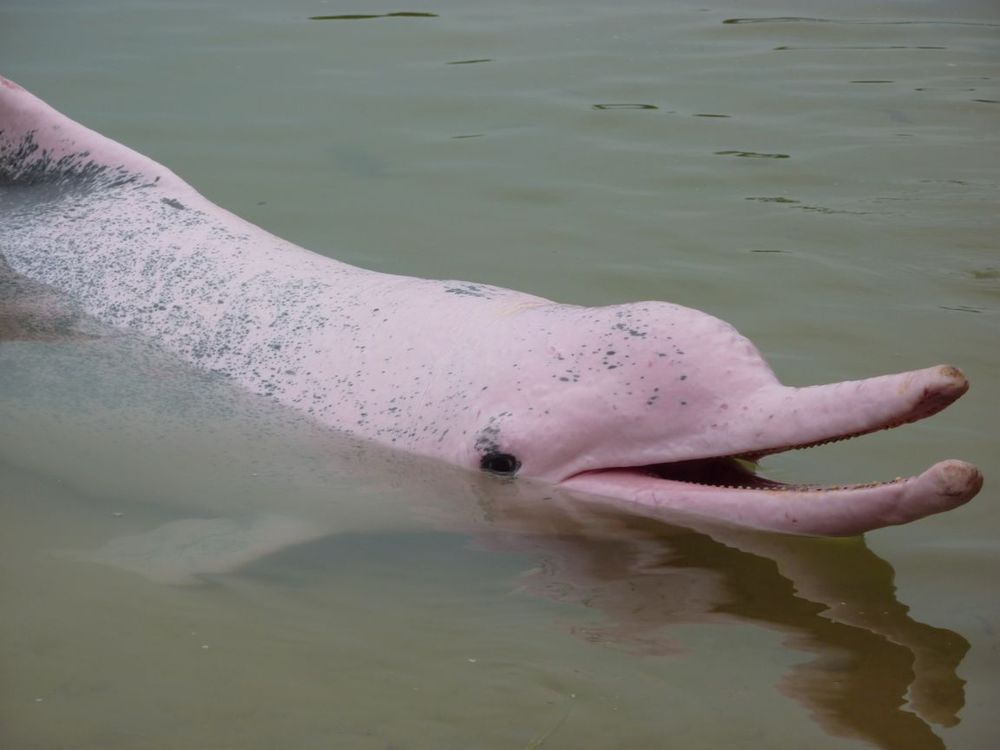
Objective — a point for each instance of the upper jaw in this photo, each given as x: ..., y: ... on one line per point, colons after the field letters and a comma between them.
x: 776, y: 419
x: 779, y: 418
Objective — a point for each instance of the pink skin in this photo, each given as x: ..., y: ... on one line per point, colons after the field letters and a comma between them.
x: 628, y: 402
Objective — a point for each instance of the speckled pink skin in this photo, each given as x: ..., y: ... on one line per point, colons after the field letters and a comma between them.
x: 580, y: 397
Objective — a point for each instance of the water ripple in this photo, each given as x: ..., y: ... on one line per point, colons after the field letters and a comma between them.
x: 858, y: 22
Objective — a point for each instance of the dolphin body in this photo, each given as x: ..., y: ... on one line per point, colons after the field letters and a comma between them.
x: 658, y: 406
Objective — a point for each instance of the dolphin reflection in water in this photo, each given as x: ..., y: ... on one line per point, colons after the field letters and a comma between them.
x: 878, y: 674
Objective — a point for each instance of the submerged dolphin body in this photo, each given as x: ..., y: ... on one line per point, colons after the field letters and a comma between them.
x: 650, y: 403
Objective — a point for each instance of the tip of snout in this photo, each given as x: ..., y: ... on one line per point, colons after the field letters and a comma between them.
x: 944, y: 486
x: 956, y: 481
x: 949, y: 379
x: 940, y: 386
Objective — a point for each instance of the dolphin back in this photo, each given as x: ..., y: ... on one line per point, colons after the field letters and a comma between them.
x: 39, y: 145
x: 134, y: 246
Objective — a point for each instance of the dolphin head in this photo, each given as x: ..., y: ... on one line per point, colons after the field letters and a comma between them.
x: 668, y: 407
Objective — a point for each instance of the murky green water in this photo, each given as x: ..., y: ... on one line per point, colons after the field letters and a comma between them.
x: 828, y: 183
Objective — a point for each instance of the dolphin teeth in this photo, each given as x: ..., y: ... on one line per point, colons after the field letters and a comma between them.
x: 732, y: 473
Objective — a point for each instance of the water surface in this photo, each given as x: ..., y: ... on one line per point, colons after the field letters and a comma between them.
x: 827, y: 183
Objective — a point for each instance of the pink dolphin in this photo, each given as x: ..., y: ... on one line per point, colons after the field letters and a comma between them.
x: 653, y: 404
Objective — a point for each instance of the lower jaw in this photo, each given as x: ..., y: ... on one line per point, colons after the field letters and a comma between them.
x: 761, y: 504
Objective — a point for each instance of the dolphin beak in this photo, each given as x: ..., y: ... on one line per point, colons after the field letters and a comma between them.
x: 804, y: 417
x: 707, y: 476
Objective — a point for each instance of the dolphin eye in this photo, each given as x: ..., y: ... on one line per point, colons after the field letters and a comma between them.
x: 503, y: 464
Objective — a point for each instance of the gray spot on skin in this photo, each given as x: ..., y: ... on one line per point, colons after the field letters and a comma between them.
x: 488, y: 439
x: 174, y: 203
x: 471, y: 290
x: 24, y: 163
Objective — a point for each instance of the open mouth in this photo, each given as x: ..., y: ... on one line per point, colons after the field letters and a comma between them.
x: 728, y: 487
x: 733, y: 473
x: 741, y: 473
x: 730, y: 472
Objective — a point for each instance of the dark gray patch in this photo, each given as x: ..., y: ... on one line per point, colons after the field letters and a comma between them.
x: 25, y: 164
x: 630, y: 331
x: 174, y: 203
x: 488, y: 440
x: 471, y: 290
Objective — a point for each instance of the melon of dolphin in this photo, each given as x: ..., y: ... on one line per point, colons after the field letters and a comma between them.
x: 652, y: 404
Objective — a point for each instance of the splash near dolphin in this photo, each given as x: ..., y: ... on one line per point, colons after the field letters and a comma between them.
x: 652, y: 404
